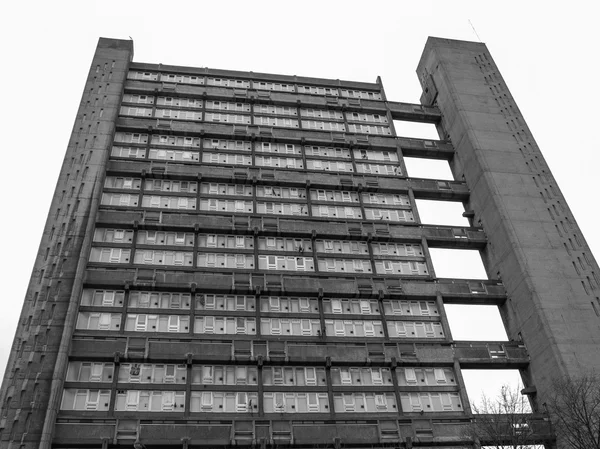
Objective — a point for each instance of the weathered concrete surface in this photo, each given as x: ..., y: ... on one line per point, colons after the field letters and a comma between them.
x: 535, y: 245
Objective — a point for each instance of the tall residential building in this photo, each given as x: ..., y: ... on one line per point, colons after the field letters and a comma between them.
x: 235, y: 258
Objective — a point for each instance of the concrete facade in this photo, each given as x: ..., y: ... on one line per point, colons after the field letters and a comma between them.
x: 235, y: 258
x: 534, y: 244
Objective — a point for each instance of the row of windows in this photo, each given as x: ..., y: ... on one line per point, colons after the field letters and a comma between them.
x: 260, y: 147
x: 276, y: 304
x: 262, y: 207
x: 181, y: 114
x: 213, y: 188
x: 166, y: 238
x: 242, y: 107
x: 219, y: 325
x: 252, y: 84
x: 246, y: 261
x: 247, y: 402
x: 149, y: 373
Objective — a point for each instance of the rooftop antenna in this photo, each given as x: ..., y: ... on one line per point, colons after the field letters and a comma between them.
x: 474, y: 30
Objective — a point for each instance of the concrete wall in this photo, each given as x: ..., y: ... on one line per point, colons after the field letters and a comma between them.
x: 32, y: 385
x: 535, y: 245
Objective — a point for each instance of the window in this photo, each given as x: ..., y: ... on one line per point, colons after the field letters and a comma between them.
x: 86, y: 400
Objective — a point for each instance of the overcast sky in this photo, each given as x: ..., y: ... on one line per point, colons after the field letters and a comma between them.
x: 547, y: 53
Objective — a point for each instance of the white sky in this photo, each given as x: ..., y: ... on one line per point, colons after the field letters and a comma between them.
x: 546, y: 52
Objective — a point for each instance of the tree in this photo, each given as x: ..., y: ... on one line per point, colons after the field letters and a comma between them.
x: 502, y: 422
x: 574, y: 408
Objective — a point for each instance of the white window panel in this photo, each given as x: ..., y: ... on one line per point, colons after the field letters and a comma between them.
x: 285, y: 304
x: 416, y: 308
x: 169, y: 258
x: 135, y: 111
x: 401, y: 267
x: 211, y: 188
x: 351, y: 306
x: 316, y: 90
x: 149, y: 373
x: 431, y: 402
x: 157, y: 323
x: 227, y: 82
x: 179, y: 102
x: 275, y: 110
x: 353, y: 328
x: 110, y: 235
x: 313, y: 164
x: 173, y: 155
x: 369, y: 129
x: 102, y: 298
x: 225, y: 241
x: 387, y: 199
x: 397, y: 249
x: 334, y: 196
x: 146, y: 76
x: 280, y: 192
x: 281, y: 208
x: 150, y: 401
x: 322, y: 113
x: 225, y: 302
x: 366, y: 95
x: 119, y: 199
x: 98, y: 321
x: 365, y: 403
x: 180, y: 141
x: 85, y: 400
x: 276, y: 121
x: 337, y: 212
x: 389, y: 215
x: 227, y: 106
x: 110, y: 255
x: 131, y: 137
x: 280, y: 162
x: 289, y: 263
x: 165, y: 238
x: 324, y: 126
x: 262, y: 85
x: 226, y: 158
x: 362, y: 117
x: 352, y: 376
x: 410, y: 329
x: 183, y: 79
x: 345, y: 265
x: 275, y: 402
x: 378, y: 169
x: 119, y: 182
x: 163, y: 185
x: 128, y: 152
x: 276, y: 147
x: 312, y: 150
x: 90, y: 372
x: 226, y: 144
x: 159, y: 300
x: 225, y: 325
x: 169, y: 202
x: 225, y: 205
x: 284, y: 326
x: 224, y: 375
x: 178, y: 114
x: 140, y: 99
x: 222, y: 260
x: 284, y: 244
x: 223, y: 402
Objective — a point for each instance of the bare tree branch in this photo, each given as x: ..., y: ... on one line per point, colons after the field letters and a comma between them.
x: 575, y: 411
x: 503, y: 422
